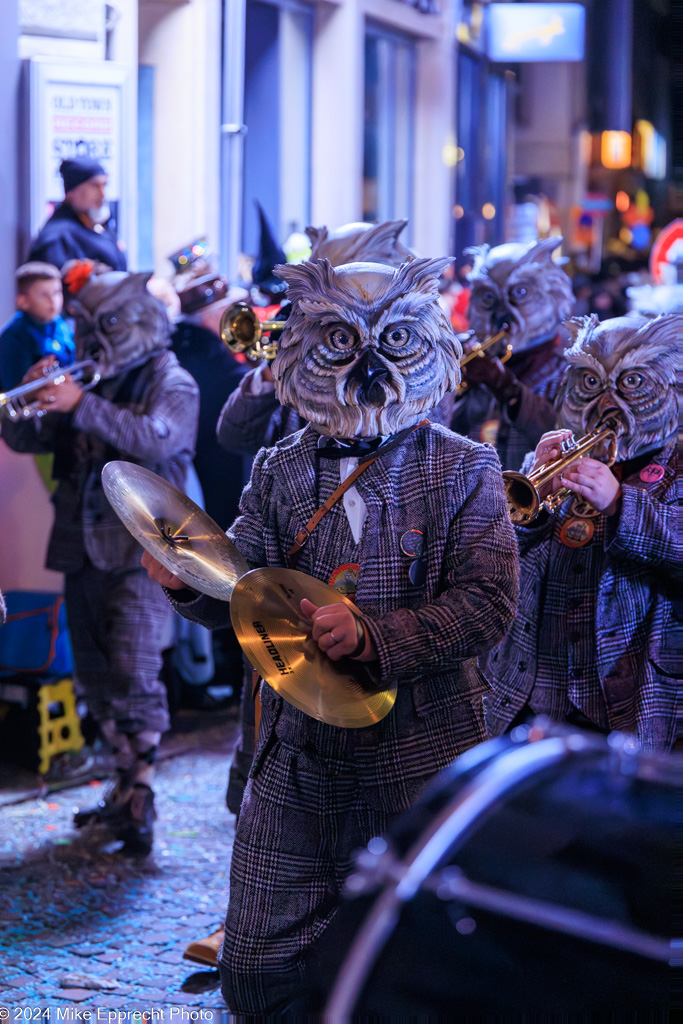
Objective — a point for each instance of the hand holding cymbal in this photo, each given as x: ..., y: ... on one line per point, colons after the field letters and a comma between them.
x: 271, y: 611
x: 338, y: 632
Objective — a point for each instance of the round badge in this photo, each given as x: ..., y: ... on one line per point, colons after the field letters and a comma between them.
x: 577, y: 532
x: 412, y: 543
x: 583, y: 509
x: 652, y: 473
x: 345, y: 579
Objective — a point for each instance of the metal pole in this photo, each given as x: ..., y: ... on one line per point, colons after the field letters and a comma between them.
x: 233, y: 131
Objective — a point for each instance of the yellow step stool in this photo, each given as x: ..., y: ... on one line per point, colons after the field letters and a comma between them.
x: 59, y: 727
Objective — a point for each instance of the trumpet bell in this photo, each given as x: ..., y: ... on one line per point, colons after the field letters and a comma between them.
x: 522, y: 497
x: 240, y: 327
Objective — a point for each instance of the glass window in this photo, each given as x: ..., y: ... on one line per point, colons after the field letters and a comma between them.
x: 480, y: 137
x: 277, y: 113
x: 389, y: 126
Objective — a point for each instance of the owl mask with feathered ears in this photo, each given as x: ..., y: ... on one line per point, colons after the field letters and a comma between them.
x: 518, y: 287
x: 623, y: 368
x: 119, y: 323
x: 367, y: 349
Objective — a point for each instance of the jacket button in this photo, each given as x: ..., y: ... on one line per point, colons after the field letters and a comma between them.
x: 527, y: 627
x: 521, y: 666
x: 505, y: 701
x: 574, y: 638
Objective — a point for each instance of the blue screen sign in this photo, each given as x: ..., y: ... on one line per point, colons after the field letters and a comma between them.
x: 535, y: 32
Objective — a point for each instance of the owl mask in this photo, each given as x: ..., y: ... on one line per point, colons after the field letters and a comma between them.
x: 519, y: 288
x: 367, y: 349
x: 361, y: 243
x: 623, y: 368
x: 119, y: 323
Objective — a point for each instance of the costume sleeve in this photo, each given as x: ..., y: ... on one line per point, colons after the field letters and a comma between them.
x: 247, y: 535
x: 207, y: 611
x: 167, y: 426
x: 481, y: 586
x: 244, y: 419
x: 646, y: 530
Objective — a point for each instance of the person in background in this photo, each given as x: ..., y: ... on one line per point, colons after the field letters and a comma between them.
x: 37, y: 330
x: 79, y: 228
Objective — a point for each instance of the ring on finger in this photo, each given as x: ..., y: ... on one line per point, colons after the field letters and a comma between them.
x: 334, y: 637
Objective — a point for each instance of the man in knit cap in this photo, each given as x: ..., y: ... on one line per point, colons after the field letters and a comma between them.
x: 78, y: 229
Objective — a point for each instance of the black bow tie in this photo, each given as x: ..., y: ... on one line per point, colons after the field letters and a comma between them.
x: 354, y: 449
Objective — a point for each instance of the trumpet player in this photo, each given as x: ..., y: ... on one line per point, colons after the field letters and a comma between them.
x: 597, y: 633
x: 519, y: 289
x: 143, y: 410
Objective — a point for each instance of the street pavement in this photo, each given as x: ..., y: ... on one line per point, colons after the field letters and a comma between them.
x: 85, y: 929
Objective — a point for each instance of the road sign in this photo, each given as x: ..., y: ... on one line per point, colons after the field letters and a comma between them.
x: 667, y: 252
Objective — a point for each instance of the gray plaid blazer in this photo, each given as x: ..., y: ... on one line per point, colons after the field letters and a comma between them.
x: 634, y: 622
x: 428, y: 636
x: 155, y: 427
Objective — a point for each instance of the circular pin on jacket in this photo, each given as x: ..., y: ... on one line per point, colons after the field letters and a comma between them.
x: 652, y: 473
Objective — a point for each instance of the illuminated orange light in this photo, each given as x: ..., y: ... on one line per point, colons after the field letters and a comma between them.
x: 622, y: 202
x: 488, y: 211
x: 615, y: 150
x: 626, y: 236
x: 458, y: 211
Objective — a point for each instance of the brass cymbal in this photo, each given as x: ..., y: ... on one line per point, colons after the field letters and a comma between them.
x: 277, y: 640
x: 178, y: 533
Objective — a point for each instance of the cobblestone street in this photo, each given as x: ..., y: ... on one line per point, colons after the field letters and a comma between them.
x: 84, y: 928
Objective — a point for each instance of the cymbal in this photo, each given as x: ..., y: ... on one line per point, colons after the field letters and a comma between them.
x: 176, y: 531
x: 277, y: 639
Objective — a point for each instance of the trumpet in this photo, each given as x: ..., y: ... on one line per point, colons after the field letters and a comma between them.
x: 22, y: 404
x: 524, y: 500
x: 242, y: 332
x: 483, y: 346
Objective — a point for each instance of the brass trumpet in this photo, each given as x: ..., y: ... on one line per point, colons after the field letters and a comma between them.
x: 483, y: 346
x: 242, y: 332
x: 21, y: 404
x: 524, y: 500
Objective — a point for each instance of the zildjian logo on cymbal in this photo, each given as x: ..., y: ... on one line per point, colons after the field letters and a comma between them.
x: 272, y: 650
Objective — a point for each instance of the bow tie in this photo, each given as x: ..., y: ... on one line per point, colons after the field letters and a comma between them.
x: 354, y: 449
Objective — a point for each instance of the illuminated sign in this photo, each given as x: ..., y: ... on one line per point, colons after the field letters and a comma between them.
x: 535, y: 32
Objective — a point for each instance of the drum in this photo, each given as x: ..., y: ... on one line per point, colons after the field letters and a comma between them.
x: 534, y: 875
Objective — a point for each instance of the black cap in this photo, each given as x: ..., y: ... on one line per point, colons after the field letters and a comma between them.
x: 75, y: 172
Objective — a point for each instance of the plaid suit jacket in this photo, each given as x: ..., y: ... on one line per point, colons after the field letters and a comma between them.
x: 633, y: 611
x: 427, y: 636
x: 156, y: 428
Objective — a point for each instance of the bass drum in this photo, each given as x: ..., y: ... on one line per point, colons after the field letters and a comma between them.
x: 534, y: 875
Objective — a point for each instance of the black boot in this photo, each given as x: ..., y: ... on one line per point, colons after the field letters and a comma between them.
x: 137, y: 830
x: 111, y: 809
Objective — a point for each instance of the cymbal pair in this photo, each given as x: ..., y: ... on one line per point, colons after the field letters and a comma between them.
x: 265, y: 604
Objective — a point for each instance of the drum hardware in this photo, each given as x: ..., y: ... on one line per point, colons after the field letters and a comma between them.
x: 524, y: 500
x: 264, y: 603
x: 242, y: 332
x: 483, y: 788
x: 265, y: 609
x: 480, y: 348
x: 173, y: 529
x: 22, y: 403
